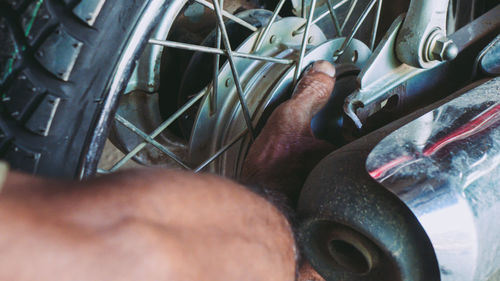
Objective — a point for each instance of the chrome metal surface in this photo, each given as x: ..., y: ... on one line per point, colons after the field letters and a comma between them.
x: 340, y: 195
x: 423, y: 19
x: 445, y: 167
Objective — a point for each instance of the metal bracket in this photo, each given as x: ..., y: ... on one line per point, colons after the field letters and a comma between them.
x: 422, y: 40
x: 382, y: 73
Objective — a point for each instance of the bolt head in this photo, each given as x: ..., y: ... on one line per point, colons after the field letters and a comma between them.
x: 444, y: 49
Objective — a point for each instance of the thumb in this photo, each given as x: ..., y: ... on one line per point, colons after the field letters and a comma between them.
x: 315, y: 87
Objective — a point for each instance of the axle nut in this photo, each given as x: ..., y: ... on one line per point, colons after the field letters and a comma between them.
x: 443, y: 49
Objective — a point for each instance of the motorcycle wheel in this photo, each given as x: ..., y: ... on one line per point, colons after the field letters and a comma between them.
x: 63, y: 65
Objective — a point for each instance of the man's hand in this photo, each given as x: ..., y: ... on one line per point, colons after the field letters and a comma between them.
x: 286, y: 150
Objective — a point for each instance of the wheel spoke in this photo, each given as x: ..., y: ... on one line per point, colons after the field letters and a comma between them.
x: 375, y: 25
x: 320, y: 17
x: 236, y: 78
x: 197, y: 48
x: 158, y: 130
x: 186, y: 46
x: 303, y: 9
x: 263, y: 34
x: 349, y: 13
x: 215, y: 81
x: 263, y: 58
x: 220, y: 151
x: 335, y: 21
x: 355, y: 29
x: 102, y: 171
x: 305, y: 38
x: 150, y: 140
x: 228, y: 15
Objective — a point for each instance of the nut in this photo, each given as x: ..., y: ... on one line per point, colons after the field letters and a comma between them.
x: 443, y: 49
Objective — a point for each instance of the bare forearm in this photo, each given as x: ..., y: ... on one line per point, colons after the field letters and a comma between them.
x: 143, y: 225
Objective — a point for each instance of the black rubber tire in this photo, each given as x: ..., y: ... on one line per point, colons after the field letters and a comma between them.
x: 57, y: 58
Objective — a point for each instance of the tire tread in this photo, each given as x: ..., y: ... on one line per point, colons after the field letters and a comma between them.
x: 57, y: 59
x: 34, y: 38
